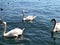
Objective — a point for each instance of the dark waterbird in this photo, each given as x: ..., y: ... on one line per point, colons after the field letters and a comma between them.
x: 8, y: 3
x: 1, y: 9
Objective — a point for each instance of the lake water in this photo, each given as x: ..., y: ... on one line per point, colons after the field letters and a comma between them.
x: 36, y: 33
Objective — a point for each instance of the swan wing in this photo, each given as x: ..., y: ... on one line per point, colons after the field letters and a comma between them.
x: 57, y: 26
x: 18, y: 31
x: 28, y: 18
x: 31, y: 17
x: 14, y: 32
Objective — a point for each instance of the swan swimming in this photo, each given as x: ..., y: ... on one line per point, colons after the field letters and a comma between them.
x: 56, y: 27
x: 28, y: 18
x: 12, y: 33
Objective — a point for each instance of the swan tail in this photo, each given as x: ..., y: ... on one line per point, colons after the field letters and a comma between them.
x: 34, y: 16
x: 54, y: 20
x: 23, y: 29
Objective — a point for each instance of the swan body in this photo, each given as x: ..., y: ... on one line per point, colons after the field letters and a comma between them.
x: 14, y: 32
x: 29, y: 18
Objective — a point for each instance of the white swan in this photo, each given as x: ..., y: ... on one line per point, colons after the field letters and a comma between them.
x: 56, y: 27
x: 12, y: 33
x: 28, y: 18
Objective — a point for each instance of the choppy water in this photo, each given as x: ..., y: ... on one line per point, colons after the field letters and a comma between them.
x: 36, y: 33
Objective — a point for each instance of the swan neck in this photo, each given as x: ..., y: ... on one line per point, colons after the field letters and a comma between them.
x: 54, y: 24
x: 4, y: 29
x: 23, y: 14
x: 52, y: 33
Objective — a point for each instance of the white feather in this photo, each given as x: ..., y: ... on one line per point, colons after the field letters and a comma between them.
x: 14, y: 32
x: 29, y: 18
x: 57, y: 27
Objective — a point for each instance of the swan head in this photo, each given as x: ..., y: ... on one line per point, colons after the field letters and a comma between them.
x: 4, y: 23
x: 1, y: 22
x: 23, y: 11
x: 53, y: 20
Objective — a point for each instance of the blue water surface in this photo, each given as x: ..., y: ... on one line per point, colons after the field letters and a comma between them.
x: 36, y: 33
